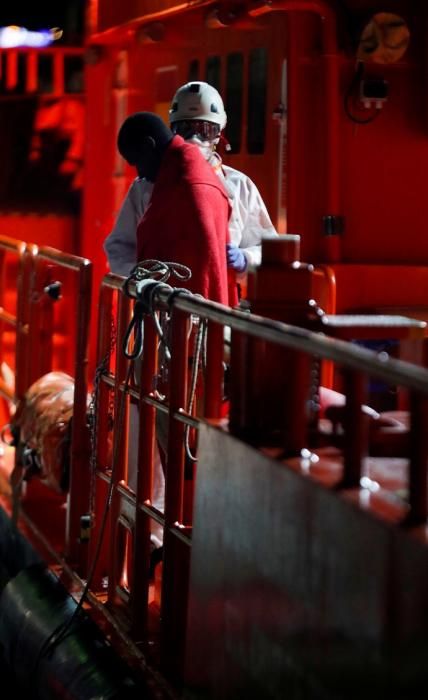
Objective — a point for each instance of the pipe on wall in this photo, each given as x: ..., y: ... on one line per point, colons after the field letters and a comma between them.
x: 332, y: 109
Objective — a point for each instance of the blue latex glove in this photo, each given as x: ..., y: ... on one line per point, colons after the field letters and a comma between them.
x: 235, y: 258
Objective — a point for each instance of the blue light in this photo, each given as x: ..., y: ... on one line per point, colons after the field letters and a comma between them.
x: 11, y: 37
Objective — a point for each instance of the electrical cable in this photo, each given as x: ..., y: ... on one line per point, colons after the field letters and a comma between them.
x: 148, y: 275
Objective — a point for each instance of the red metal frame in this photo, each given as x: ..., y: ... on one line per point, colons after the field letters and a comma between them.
x: 21, y: 255
x: 125, y: 552
x: 37, y: 352
x: 57, y: 53
x: 129, y: 598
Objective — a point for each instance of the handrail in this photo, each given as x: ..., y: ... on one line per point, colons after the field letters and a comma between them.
x: 163, y: 400
x: 81, y: 268
x: 388, y: 369
x: 18, y: 321
x: 34, y: 353
x: 10, y: 75
x: 52, y: 50
x: 72, y: 262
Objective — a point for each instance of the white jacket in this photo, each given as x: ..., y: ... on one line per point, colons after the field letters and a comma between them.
x: 249, y: 220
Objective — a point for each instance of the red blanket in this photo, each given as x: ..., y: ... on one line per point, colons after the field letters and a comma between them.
x: 187, y: 221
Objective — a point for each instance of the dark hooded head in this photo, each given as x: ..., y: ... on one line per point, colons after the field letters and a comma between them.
x: 142, y: 140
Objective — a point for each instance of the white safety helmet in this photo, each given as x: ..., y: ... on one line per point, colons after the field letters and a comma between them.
x: 198, y: 100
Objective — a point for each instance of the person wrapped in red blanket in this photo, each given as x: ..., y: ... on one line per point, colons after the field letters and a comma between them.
x: 187, y: 222
x: 187, y: 218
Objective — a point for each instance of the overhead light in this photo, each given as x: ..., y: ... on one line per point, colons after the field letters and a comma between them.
x: 12, y: 37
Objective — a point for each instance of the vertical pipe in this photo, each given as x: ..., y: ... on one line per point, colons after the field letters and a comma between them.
x: 331, y: 243
x: 292, y: 126
x: 331, y: 77
x: 332, y: 111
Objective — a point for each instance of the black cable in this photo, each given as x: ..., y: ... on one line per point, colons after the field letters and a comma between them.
x: 152, y: 273
x: 135, y: 327
x: 158, y: 271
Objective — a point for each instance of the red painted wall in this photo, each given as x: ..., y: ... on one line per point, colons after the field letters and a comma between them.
x: 383, y: 183
x: 382, y: 166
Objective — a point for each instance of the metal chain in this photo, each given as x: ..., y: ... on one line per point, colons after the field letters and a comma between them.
x: 198, y: 351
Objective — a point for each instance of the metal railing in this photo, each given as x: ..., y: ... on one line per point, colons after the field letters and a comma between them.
x: 16, y: 258
x: 59, y: 325
x: 161, y: 389
x: 42, y: 72
x: 45, y: 298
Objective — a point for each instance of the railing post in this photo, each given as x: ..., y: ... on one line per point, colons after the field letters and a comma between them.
x: 120, y: 448
x: 146, y: 451
x: 100, y: 439
x: 355, y: 425
x: 22, y: 357
x: 41, y: 319
x: 418, y: 460
x: 175, y: 572
x: 32, y: 79
x: 297, y: 402
x: 214, y: 374
x: 11, y: 69
x: 177, y: 401
x: 79, y: 488
x: 58, y: 74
